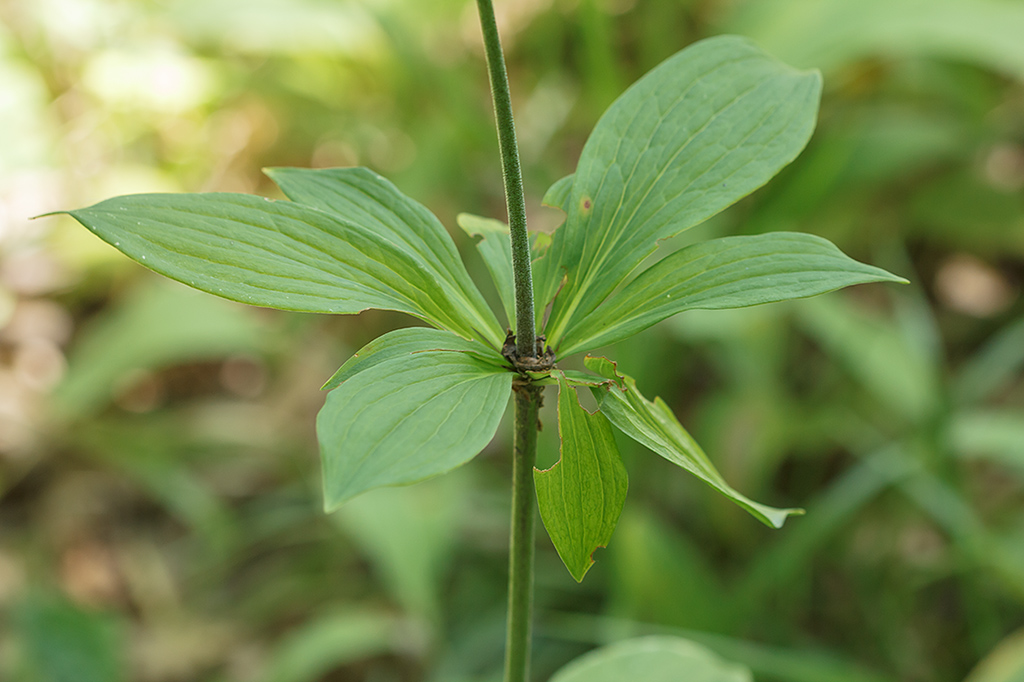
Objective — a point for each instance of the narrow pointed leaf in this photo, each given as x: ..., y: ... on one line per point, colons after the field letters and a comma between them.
x: 732, y: 272
x: 652, y: 659
x: 653, y: 425
x: 402, y: 342
x: 363, y: 197
x: 409, y: 417
x: 581, y: 496
x: 495, y: 248
x: 277, y: 254
x: 700, y: 131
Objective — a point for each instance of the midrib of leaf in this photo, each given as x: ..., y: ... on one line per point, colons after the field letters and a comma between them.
x: 444, y: 261
x: 604, y: 248
x: 309, y: 251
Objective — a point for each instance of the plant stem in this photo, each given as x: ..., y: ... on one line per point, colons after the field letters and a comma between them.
x: 521, y: 543
x: 514, y: 196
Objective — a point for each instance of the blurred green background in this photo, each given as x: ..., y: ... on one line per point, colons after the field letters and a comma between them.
x: 160, y: 513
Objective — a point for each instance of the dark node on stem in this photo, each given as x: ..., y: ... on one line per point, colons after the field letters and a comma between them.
x: 543, y: 362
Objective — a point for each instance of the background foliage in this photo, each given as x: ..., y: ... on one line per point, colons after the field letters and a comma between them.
x: 160, y: 512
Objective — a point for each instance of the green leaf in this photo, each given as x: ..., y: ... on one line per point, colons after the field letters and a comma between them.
x: 278, y: 254
x: 700, y: 131
x: 410, y: 340
x: 581, y: 496
x: 407, y: 418
x: 496, y: 250
x: 362, y: 197
x: 652, y: 659
x: 732, y: 272
x: 653, y: 425
x: 64, y: 643
x: 558, y: 194
x: 314, y: 649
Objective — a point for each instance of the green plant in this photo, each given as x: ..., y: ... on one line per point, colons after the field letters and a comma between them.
x: 699, y: 132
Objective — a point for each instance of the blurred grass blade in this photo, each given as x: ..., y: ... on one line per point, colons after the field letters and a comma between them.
x: 408, y: 418
x: 581, y: 496
x: 998, y: 436
x: 360, y: 196
x: 653, y: 425
x: 403, y: 342
x: 652, y: 659
x: 700, y: 131
x: 993, y: 366
x: 732, y: 272
x: 1004, y: 664
x: 313, y: 650
x: 277, y: 254
x: 496, y: 251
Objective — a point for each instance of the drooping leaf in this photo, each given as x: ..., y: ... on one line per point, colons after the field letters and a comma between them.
x: 363, y: 197
x: 700, y: 131
x: 581, y: 496
x: 732, y: 272
x: 409, y: 417
x: 652, y: 659
x: 653, y: 425
x: 278, y: 254
x: 401, y: 342
x: 496, y: 250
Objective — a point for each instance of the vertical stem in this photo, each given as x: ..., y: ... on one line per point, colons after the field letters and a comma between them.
x: 521, y: 543
x: 514, y: 197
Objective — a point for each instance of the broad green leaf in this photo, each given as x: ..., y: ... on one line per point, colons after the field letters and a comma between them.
x: 558, y: 194
x: 362, y: 197
x: 732, y: 272
x: 652, y: 659
x: 700, y: 131
x: 402, y: 342
x: 496, y: 250
x: 653, y: 425
x: 277, y: 254
x: 581, y: 496
x: 407, y: 418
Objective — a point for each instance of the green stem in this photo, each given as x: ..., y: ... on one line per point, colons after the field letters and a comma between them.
x: 514, y: 195
x: 521, y: 543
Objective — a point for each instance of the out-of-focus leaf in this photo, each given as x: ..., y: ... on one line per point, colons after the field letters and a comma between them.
x: 159, y: 324
x: 732, y: 272
x: 360, y: 196
x: 700, y: 131
x: 661, y: 576
x: 409, y: 534
x: 1005, y: 663
x: 402, y: 342
x: 278, y: 254
x: 988, y: 434
x: 653, y: 425
x: 876, y: 352
x: 410, y: 417
x: 993, y: 365
x: 830, y: 34
x: 581, y: 496
x: 652, y: 659
x: 495, y: 248
x: 316, y: 648
x: 65, y: 643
